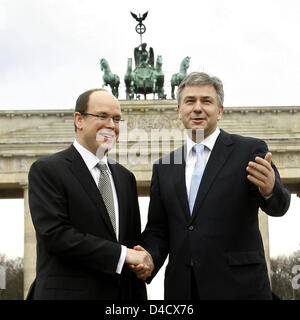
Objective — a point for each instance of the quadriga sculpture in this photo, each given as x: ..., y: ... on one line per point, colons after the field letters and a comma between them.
x: 146, y: 78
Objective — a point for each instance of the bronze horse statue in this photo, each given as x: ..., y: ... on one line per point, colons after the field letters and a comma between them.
x: 178, y: 77
x: 159, y: 79
x: 129, y: 80
x: 109, y: 78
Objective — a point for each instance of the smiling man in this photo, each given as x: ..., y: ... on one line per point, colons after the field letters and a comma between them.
x: 85, y: 213
x: 203, y: 210
x: 200, y: 110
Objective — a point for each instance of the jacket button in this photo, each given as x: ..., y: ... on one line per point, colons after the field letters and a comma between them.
x: 191, y: 228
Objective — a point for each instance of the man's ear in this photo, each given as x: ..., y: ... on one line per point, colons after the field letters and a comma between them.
x: 179, y: 113
x: 78, y: 120
x: 220, y: 113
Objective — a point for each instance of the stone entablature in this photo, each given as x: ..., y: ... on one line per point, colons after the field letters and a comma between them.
x: 28, y: 134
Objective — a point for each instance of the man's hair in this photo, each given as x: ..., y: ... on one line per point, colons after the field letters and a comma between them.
x: 199, y: 78
x: 82, y: 101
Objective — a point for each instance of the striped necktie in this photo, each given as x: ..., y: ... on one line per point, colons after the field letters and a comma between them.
x: 105, y: 189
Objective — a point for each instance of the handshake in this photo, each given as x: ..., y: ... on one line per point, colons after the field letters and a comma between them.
x: 140, y: 261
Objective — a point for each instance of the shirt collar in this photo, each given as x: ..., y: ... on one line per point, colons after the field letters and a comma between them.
x: 209, y: 141
x: 88, y: 157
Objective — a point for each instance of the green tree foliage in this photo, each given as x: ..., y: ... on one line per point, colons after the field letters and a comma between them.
x: 14, y: 278
x: 285, y: 276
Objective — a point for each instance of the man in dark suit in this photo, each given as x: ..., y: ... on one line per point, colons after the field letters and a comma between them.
x: 204, y: 203
x: 86, y: 213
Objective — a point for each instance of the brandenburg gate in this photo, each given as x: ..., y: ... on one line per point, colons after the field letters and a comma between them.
x: 26, y: 135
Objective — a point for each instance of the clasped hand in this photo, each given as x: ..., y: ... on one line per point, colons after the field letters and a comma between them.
x: 140, y: 261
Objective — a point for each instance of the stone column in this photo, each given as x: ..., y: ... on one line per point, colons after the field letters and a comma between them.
x: 29, y: 245
x: 264, y: 229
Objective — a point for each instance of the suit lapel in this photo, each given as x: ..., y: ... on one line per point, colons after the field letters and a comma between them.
x: 179, y: 179
x: 83, y: 175
x: 222, y: 149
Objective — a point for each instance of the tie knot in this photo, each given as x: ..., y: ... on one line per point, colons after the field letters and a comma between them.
x: 102, y: 166
x: 198, y: 148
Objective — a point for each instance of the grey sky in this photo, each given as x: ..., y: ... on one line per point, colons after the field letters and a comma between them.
x: 50, y: 49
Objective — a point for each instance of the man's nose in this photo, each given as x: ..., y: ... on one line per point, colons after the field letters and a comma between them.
x: 110, y: 123
x: 197, y: 106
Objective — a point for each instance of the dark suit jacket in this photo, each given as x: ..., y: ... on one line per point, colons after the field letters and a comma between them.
x: 221, y: 241
x: 77, y: 250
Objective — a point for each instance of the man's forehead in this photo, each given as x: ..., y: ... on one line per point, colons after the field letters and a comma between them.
x: 200, y: 88
x: 103, y: 98
x: 100, y: 94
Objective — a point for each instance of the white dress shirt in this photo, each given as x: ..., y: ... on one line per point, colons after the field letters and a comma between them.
x: 191, y: 156
x: 91, y: 161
